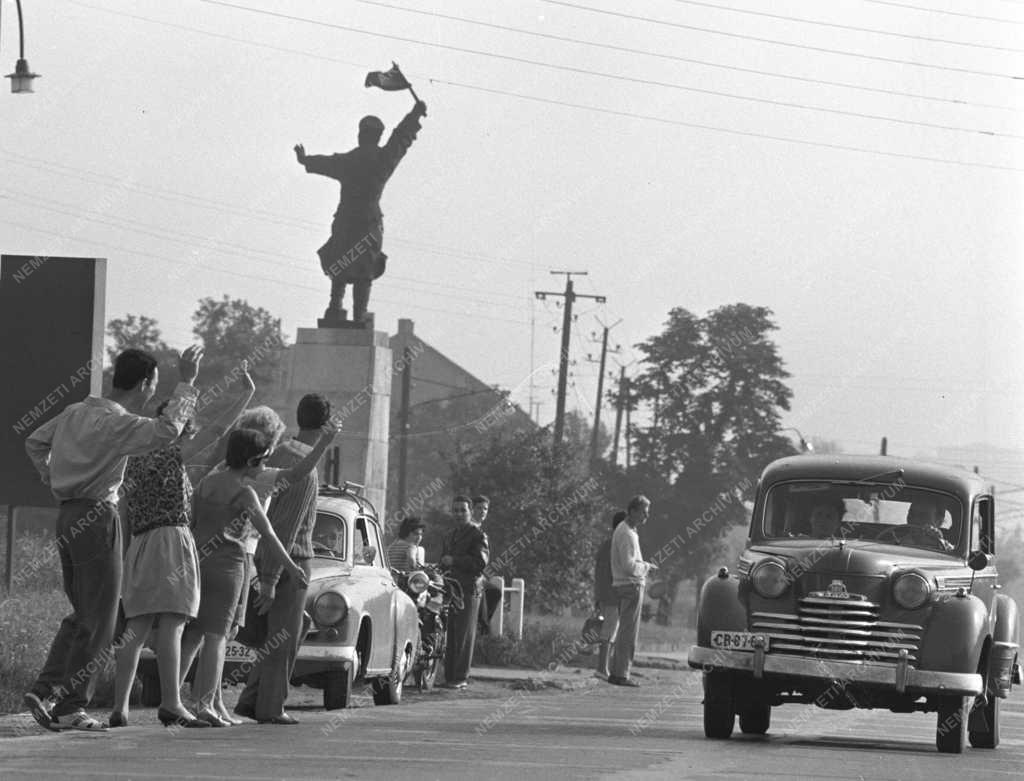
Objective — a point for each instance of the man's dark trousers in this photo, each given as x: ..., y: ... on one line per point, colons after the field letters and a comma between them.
x: 89, y: 543
x: 631, y: 599
x: 462, y: 635
x: 267, y: 688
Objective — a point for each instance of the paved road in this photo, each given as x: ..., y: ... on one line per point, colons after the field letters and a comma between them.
x: 495, y: 732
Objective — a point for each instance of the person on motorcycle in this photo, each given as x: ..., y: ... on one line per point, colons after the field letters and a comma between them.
x: 406, y: 554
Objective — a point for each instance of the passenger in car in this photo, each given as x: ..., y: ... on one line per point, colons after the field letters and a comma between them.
x: 329, y: 536
x: 926, y: 517
x: 826, y: 517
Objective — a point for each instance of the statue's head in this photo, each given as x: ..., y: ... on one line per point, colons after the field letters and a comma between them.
x: 370, y: 130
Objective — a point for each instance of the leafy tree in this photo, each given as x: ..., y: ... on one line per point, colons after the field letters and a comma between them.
x: 548, y: 513
x: 714, y: 387
x: 232, y: 330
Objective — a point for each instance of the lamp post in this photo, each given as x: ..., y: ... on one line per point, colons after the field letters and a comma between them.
x: 805, y: 446
x: 21, y: 79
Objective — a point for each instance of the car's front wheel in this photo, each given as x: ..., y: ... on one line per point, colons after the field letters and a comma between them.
x: 338, y: 687
x: 986, y: 736
x: 951, y: 724
x: 388, y: 691
x: 719, y: 705
x: 755, y: 718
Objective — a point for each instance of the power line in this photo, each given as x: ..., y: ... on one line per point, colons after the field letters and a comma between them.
x: 247, y: 252
x: 690, y: 60
x: 837, y: 26
x: 944, y: 13
x: 821, y: 49
x: 631, y: 79
x: 258, y: 215
x: 730, y: 131
x: 249, y: 276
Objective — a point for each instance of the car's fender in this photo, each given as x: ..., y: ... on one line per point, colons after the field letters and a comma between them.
x: 955, y: 635
x: 719, y: 607
x: 1005, y: 644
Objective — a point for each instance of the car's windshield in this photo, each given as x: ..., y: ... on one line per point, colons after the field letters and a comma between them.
x: 329, y: 535
x: 886, y: 512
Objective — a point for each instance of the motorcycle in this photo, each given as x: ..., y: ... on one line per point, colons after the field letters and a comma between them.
x: 435, y: 595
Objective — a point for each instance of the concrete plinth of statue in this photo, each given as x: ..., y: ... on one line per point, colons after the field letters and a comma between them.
x: 351, y: 366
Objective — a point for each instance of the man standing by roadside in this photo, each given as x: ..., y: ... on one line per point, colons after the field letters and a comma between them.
x: 281, y: 597
x: 605, y: 601
x: 492, y: 594
x: 465, y: 555
x: 81, y: 455
x: 629, y: 575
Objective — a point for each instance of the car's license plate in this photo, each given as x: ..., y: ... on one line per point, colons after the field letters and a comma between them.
x: 736, y: 641
x: 236, y: 652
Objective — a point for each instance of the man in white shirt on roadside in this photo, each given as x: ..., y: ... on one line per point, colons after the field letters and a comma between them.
x: 629, y: 575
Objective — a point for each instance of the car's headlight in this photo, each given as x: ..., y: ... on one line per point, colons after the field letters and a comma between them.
x: 329, y: 609
x: 418, y: 581
x: 769, y: 579
x: 911, y: 590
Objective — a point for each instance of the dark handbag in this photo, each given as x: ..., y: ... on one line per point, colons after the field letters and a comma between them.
x: 257, y: 627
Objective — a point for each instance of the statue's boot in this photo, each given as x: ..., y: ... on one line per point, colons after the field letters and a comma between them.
x: 360, y: 299
x: 335, y: 312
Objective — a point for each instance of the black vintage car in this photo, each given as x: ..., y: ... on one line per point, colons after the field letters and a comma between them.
x: 867, y: 582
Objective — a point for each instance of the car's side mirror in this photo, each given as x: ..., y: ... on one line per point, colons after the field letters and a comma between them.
x: 369, y: 554
x: 979, y: 560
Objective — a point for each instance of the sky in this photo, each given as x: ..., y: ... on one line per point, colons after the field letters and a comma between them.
x: 856, y: 166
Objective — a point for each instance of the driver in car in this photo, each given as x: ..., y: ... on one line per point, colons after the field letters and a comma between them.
x: 328, y: 536
x: 925, y: 518
x: 826, y: 517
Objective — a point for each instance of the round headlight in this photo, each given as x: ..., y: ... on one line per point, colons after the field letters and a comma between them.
x: 770, y: 579
x: 418, y: 581
x: 329, y: 609
x: 911, y: 590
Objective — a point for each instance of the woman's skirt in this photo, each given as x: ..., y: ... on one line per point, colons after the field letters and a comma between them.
x: 161, y: 573
x: 222, y: 577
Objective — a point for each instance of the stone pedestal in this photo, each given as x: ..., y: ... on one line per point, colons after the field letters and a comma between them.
x: 352, y: 368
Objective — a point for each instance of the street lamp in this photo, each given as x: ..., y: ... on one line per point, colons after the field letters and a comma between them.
x: 805, y: 446
x: 21, y: 79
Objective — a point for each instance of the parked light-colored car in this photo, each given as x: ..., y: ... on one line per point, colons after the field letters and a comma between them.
x: 360, y: 627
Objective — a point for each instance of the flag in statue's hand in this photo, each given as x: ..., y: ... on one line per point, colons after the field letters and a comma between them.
x: 390, y: 80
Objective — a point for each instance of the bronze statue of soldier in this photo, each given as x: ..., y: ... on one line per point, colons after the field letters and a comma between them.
x: 353, y: 254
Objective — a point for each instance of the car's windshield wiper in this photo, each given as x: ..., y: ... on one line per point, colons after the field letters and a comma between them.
x: 891, y: 474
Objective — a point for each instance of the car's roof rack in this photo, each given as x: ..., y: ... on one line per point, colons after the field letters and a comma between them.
x: 352, y: 490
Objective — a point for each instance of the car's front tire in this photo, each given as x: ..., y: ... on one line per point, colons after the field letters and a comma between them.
x: 338, y: 686
x: 388, y: 691
x: 756, y: 718
x: 719, y: 705
x: 988, y: 737
x: 951, y: 724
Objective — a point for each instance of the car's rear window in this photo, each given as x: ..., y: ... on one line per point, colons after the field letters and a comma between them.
x: 886, y: 512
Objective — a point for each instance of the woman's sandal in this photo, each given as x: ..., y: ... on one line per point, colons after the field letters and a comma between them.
x: 80, y: 721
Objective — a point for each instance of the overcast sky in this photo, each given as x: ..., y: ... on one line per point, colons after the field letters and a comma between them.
x: 854, y: 165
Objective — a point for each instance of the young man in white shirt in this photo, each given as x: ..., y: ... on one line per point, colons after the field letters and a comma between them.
x: 629, y: 576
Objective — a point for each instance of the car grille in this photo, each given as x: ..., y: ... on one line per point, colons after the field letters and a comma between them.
x: 843, y: 629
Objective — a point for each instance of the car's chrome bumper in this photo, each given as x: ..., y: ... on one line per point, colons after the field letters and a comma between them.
x: 326, y: 653
x: 900, y: 676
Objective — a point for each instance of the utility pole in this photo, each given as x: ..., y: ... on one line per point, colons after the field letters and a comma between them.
x: 885, y: 446
x: 563, y: 362
x: 618, y: 413
x: 403, y: 426
x: 600, y: 388
x: 629, y: 406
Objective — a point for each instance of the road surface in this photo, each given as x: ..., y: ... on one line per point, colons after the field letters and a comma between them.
x: 587, y: 729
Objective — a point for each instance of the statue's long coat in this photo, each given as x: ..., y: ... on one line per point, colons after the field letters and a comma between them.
x: 353, y: 252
